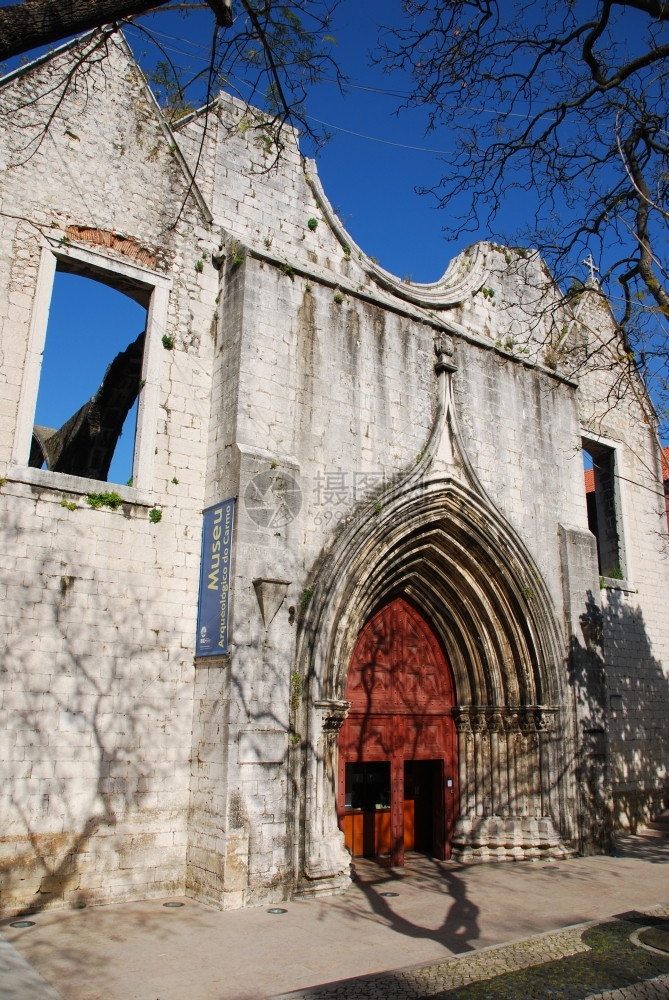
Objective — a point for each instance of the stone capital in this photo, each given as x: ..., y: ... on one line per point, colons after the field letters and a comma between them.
x: 333, y: 713
x: 462, y: 720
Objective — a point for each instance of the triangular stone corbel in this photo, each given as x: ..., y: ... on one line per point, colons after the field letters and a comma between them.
x: 270, y: 595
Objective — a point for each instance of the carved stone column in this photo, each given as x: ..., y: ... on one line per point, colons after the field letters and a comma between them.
x: 498, y: 779
x: 506, y: 794
x: 532, y: 764
x: 326, y: 858
x: 544, y: 719
x: 480, y: 730
x: 511, y: 723
x: 465, y: 760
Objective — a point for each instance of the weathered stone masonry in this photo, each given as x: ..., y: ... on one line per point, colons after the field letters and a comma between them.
x: 433, y: 434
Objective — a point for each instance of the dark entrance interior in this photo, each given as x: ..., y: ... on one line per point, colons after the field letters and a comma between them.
x: 397, y: 778
x: 367, y: 826
x: 423, y: 805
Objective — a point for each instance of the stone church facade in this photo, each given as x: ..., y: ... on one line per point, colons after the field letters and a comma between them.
x: 430, y: 643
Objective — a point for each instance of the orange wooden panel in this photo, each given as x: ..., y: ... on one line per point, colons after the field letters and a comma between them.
x: 346, y: 826
x: 382, y: 831
x: 351, y: 824
x: 398, y: 664
x: 409, y: 825
x: 357, y: 834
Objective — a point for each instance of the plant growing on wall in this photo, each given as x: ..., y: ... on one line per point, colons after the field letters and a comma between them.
x: 304, y: 600
x: 111, y: 500
x: 236, y: 254
x: 295, y: 690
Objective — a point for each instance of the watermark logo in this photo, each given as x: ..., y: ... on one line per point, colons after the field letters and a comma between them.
x: 273, y: 499
x: 337, y: 494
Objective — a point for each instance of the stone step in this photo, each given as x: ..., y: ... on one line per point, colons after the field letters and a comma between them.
x: 652, y: 831
x: 658, y: 826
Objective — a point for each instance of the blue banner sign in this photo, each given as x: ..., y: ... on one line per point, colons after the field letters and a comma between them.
x: 213, y: 606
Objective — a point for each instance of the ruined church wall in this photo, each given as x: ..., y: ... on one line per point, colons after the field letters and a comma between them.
x: 340, y: 365
x: 634, y: 610
x: 341, y: 397
x: 300, y: 362
x: 98, y: 605
x: 325, y: 393
x: 520, y: 427
x: 324, y: 375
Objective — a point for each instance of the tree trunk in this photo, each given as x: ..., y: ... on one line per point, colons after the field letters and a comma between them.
x: 31, y: 23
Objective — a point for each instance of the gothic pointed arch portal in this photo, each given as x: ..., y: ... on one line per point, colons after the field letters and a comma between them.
x: 467, y: 576
x: 397, y: 781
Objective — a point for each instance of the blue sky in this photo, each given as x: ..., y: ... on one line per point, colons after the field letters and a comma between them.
x: 375, y: 158
x: 97, y: 323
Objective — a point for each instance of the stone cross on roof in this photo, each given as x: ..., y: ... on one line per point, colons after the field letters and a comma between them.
x: 589, y: 263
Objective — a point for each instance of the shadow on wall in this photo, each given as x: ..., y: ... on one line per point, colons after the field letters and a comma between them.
x: 623, y: 704
x: 638, y: 707
x: 587, y: 678
x: 85, y: 729
x: 622, y: 695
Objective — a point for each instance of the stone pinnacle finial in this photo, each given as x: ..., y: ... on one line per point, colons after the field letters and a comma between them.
x: 590, y: 264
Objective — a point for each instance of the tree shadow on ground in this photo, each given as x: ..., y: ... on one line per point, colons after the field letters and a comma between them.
x: 459, y: 927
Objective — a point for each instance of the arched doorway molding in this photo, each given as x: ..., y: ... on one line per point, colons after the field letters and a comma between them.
x: 443, y: 546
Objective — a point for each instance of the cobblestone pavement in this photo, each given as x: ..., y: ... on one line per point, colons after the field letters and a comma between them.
x: 652, y: 989
x: 589, y: 962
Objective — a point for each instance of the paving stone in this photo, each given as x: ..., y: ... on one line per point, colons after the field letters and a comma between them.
x: 613, y: 957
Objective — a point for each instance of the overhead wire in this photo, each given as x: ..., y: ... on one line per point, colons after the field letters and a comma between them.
x: 375, y: 138
x: 351, y: 85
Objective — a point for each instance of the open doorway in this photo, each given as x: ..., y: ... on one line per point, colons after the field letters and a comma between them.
x: 367, y: 812
x: 366, y: 820
x: 424, y: 806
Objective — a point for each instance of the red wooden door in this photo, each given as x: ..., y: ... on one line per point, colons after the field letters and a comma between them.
x: 401, y: 692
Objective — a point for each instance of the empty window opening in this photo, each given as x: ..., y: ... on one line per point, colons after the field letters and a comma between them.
x: 86, y: 414
x: 599, y: 465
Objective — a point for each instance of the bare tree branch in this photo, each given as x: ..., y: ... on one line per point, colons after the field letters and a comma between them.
x: 567, y: 102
